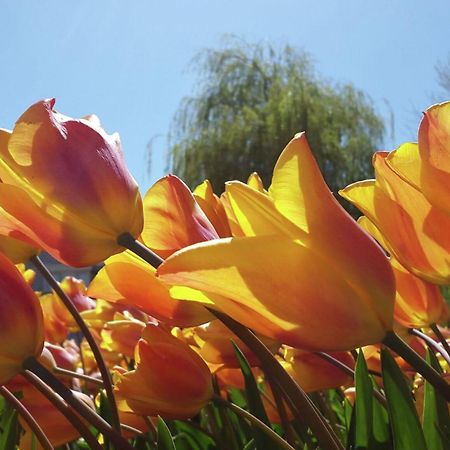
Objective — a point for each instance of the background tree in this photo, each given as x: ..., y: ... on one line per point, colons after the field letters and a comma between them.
x: 251, y: 100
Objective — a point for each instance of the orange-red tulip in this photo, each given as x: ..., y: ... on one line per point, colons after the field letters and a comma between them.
x: 65, y: 187
x: 305, y: 270
x: 412, y: 228
x: 21, y: 327
x: 170, y: 379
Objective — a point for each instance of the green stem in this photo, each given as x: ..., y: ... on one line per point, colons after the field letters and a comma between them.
x: 29, y: 419
x: 87, y: 334
x: 324, y: 433
x: 64, y: 408
x: 396, y: 344
x: 81, y: 376
x: 254, y: 421
x: 34, y: 366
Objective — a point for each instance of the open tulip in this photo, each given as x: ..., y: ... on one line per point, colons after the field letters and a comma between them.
x: 305, y: 273
x: 65, y: 187
x: 21, y: 327
x: 427, y: 166
x: 170, y: 379
x: 410, y: 225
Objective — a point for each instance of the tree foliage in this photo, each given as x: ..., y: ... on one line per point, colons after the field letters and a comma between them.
x: 251, y: 100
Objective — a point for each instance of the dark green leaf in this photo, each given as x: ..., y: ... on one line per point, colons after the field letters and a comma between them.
x: 436, y: 419
x: 9, y: 432
x: 165, y: 440
x: 363, y: 404
x: 406, y: 430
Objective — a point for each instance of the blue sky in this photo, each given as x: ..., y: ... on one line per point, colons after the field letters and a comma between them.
x: 127, y: 61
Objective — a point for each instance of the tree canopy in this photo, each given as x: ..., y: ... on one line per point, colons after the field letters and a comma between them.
x: 251, y: 100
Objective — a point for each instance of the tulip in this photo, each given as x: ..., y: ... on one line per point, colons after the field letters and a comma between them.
x: 170, y: 379
x: 410, y: 225
x: 65, y: 187
x: 303, y: 273
x: 21, y: 321
x: 172, y: 220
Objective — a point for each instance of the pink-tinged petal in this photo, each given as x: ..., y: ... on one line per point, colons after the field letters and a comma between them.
x: 434, y: 148
x: 284, y: 292
x: 128, y: 280
x: 172, y: 218
x: 411, y: 226
x: 406, y: 163
x: 256, y: 213
x: 213, y: 208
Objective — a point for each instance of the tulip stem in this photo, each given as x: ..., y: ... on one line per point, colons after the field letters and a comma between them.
x: 81, y: 376
x: 321, y: 429
x: 128, y: 241
x: 395, y: 343
x: 431, y: 343
x: 40, y: 266
x: 254, y: 421
x: 35, y: 367
x: 441, y: 337
x: 64, y: 408
x: 27, y: 417
x: 349, y: 371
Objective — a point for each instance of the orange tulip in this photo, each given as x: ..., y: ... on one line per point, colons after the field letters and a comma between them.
x: 21, y: 327
x: 313, y: 373
x: 65, y: 187
x: 170, y: 379
x: 410, y: 226
x: 305, y: 270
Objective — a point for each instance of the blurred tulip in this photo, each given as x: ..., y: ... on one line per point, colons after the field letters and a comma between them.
x: 411, y: 227
x: 170, y: 379
x: 305, y: 270
x: 313, y: 373
x: 21, y: 327
x: 65, y: 187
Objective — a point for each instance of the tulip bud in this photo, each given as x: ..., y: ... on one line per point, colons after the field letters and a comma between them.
x: 170, y: 380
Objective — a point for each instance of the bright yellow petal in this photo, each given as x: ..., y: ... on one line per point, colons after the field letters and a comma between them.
x: 405, y: 162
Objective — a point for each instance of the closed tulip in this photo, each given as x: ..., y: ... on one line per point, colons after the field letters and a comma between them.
x: 66, y: 188
x: 170, y: 379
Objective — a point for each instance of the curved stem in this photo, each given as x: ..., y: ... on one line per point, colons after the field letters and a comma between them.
x: 34, y: 366
x: 128, y: 241
x: 87, y: 334
x: 81, y: 376
x: 254, y: 421
x: 65, y: 409
x: 29, y: 419
x: 431, y: 343
x: 441, y: 337
x: 396, y: 344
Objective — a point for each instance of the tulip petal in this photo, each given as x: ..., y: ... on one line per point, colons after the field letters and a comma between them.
x: 172, y: 218
x: 128, y: 280
x: 405, y: 162
x: 434, y: 147
x: 281, y: 284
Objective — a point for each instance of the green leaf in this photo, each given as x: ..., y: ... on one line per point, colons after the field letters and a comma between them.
x: 9, y: 431
x: 405, y: 424
x: 255, y: 404
x: 380, y: 431
x: 363, y: 404
x: 436, y: 419
x: 165, y: 440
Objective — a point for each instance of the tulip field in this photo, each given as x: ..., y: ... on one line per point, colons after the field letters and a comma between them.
x: 257, y: 318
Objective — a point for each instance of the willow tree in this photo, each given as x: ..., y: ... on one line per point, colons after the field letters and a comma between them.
x: 249, y: 102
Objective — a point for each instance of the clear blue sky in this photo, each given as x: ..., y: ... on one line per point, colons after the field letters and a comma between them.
x: 126, y: 60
